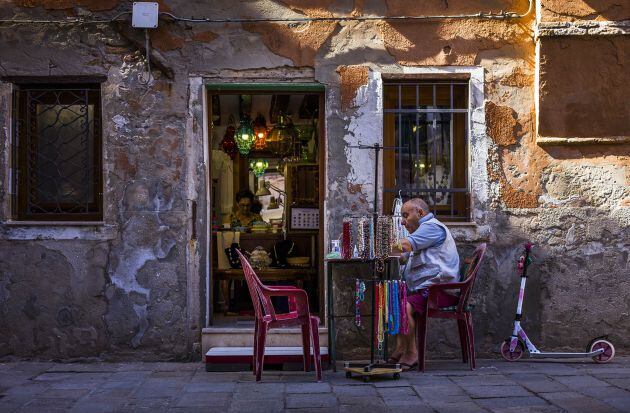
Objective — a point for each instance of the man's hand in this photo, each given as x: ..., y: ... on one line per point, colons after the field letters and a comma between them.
x: 406, y: 245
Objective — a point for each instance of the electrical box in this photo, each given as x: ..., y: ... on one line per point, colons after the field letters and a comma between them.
x: 145, y: 15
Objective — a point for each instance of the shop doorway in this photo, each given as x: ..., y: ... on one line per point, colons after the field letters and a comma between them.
x: 266, y: 144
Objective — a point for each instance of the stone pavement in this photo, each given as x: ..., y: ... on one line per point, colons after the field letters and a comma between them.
x: 496, y: 386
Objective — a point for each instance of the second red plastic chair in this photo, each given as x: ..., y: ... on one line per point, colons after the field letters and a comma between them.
x: 266, y: 318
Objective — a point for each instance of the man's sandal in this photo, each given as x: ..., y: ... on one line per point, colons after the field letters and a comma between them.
x: 407, y: 367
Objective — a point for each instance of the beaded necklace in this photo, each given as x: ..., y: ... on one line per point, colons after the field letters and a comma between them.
x: 396, y: 310
x: 380, y: 334
x: 346, y: 240
x: 404, y: 322
x: 359, y: 296
x: 386, y: 304
x: 363, y: 238
x: 371, y: 241
x: 383, y: 241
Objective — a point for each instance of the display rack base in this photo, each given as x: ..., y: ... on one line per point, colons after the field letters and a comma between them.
x: 372, y: 369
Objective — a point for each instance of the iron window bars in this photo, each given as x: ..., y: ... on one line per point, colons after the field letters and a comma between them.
x: 57, y: 152
x: 428, y: 124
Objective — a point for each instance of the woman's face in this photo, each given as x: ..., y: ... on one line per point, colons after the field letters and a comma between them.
x: 244, y: 206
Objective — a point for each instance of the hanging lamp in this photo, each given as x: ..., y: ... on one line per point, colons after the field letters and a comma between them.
x: 281, y: 139
x: 228, y: 144
x: 244, y: 136
x: 259, y: 166
x: 260, y: 132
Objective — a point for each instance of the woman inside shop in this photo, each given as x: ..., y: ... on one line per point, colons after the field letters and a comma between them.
x: 243, y: 215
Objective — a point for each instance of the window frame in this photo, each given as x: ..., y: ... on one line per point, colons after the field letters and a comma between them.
x: 91, y: 87
x: 391, y: 167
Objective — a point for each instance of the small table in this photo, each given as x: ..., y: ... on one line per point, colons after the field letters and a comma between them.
x: 332, y: 352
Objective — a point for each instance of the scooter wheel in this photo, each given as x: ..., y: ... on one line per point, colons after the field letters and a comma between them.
x: 607, y: 355
x: 512, y: 355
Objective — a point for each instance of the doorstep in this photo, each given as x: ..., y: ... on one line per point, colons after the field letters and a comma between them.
x: 240, y: 358
x: 244, y: 337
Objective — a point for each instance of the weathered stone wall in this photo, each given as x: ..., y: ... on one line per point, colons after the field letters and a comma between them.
x: 132, y: 287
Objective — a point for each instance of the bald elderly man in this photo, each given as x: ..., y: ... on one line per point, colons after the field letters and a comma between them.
x: 429, y: 257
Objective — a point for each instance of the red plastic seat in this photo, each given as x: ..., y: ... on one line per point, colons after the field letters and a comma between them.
x: 266, y: 318
x: 460, y: 311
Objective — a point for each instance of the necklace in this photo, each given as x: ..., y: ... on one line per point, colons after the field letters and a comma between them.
x: 363, y: 238
x: 380, y: 332
x: 386, y: 304
x: 383, y: 241
x: 404, y: 322
x: 346, y: 240
x: 358, y: 299
x: 396, y: 310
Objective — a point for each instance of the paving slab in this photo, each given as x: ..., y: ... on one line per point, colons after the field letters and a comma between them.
x: 500, y: 403
x: 308, y: 388
x: 295, y: 401
x: 467, y: 406
x: 584, y: 404
x: 484, y: 392
x: 580, y: 381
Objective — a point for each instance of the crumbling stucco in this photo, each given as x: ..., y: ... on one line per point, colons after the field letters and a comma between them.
x: 351, y: 79
x: 502, y: 124
x: 298, y: 42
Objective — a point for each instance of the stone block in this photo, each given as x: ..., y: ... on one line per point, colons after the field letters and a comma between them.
x: 296, y: 401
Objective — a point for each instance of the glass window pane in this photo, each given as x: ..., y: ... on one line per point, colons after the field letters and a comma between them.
x: 443, y: 96
x: 426, y: 97
x: 408, y: 96
x: 391, y: 97
x: 460, y: 97
x: 63, y: 172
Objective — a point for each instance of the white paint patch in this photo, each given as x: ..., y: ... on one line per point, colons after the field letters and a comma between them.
x: 120, y: 123
x: 365, y: 128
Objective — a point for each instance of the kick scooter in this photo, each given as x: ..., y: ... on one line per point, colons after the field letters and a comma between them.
x: 512, y: 349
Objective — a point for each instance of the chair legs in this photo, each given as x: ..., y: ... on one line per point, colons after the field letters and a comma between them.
x: 471, y: 341
x: 255, y: 351
x: 259, y: 361
x: 316, y: 353
x: 421, y: 339
x: 466, y: 338
x: 463, y: 339
x: 306, y: 341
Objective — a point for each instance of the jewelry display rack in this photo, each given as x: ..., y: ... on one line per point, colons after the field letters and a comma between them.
x: 374, y: 367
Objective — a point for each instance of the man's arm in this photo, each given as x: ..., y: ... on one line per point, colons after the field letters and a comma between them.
x: 424, y: 237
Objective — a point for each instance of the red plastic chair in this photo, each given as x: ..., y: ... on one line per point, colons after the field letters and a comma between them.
x: 266, y: 318
x: 460, y: 312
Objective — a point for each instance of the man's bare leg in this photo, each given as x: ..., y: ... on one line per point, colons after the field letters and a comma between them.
x: 408, y: 342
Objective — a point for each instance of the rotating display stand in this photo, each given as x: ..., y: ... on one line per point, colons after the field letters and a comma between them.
x: 374, y: 367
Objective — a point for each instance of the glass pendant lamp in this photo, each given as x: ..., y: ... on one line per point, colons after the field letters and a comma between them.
x: 282, y: 137
x: 258, y: 167
x: 244, y: 136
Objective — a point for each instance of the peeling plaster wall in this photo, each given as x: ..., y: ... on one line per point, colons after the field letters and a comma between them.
x: 133, y: 287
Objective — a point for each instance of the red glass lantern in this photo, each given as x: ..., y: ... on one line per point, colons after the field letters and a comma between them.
x: 260, y: 132
x: 228, y: 144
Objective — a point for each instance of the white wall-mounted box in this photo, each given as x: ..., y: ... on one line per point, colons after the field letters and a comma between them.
x: 145, y: 15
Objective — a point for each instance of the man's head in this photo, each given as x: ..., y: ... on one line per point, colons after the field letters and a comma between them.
x: 412, y: 211
x: 244, y: 201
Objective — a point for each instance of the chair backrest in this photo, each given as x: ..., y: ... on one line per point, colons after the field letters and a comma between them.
x: 471, y: 276
x: 262, y: 304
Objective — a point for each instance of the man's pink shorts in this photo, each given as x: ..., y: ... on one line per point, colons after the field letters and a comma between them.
x: 418, y: 300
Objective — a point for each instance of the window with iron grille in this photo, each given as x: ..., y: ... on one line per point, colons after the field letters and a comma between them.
x: 57, y: 152
x: 427, y: 124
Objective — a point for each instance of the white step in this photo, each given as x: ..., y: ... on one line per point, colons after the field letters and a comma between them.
x: 240, y: 358
x: 244, y: 337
